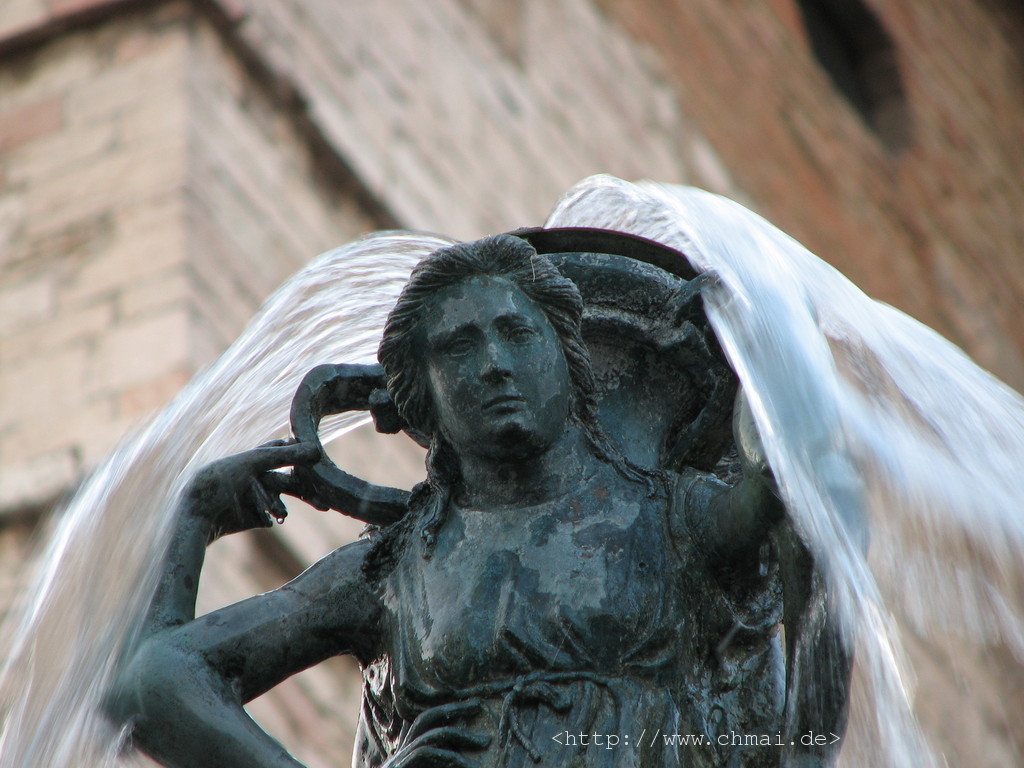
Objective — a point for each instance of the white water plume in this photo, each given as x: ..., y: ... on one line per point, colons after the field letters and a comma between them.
x: 863, y: 411
x: 99, y: 571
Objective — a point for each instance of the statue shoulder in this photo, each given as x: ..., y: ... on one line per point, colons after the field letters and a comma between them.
x: 693, y: 496
x: 340, y: 592
x: 694, y: 488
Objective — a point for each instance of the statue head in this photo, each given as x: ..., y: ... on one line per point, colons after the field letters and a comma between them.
x: 456, y: 273
x: 498, y: 268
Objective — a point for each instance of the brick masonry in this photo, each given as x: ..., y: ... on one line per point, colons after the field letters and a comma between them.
x: 934, y: 229
x: 152, y: 196
x: 90, y: 213
x: 148, y: 194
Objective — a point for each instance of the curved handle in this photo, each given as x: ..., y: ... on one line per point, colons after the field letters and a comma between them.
x: 329, y: 389
x: 592, y: 240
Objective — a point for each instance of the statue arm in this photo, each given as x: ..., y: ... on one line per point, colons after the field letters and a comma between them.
x: 183, y: 685
x: 232, y: 494
x: 729, y: 522
x: 736, y: 520
x: 733, y: 521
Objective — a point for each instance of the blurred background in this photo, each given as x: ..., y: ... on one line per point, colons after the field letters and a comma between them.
x: 165, y: 164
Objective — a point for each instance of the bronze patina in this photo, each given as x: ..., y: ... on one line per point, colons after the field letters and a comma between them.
x: 596, y: 571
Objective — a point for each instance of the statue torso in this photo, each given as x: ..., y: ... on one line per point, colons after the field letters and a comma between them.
x: 579, y: 582
x: 583, y: 614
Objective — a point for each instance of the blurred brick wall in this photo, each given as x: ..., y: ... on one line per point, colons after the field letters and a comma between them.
x: 152, y: 195
x: 151, y: 191
x: 934, y: 228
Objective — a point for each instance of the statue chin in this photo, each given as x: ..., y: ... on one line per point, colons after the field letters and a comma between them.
x: 513, y: 441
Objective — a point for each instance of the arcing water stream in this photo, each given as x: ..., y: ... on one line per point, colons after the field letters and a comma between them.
x: 98, y: 572
x: 857, y: 404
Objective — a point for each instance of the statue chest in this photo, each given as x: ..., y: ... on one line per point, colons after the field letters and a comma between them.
x: 576, y: 584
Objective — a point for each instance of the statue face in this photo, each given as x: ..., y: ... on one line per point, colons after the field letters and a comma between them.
x: 497, y: 375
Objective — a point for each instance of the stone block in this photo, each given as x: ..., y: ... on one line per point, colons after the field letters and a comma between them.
x: 58, y: 7
x: 54, y: 70
x: 159, y: 118
x: 60, y: 251
x: 114, y: 180
x: 22, y: 124
x: 154, y: 292
x: 26, y: 303
x: 37, y: 386
x: 140, y: 351
x: 12, y: 218
x: 36, y: 480
x: 148, y: 238
x: 76, y: 429
x: 119, y: 88
x: 142, y: 400
x: 16, y: 558
x: 18, y: 15
x: 53, y: 155
x: 62, y: 329
x: 102, y: 438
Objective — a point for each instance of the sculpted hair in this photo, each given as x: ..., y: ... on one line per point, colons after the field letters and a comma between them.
x: 509, y: 258
x: 501, y: 256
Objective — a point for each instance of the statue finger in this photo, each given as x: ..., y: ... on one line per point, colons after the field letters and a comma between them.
x: 282, y: 482
x: 443, y: 715
x: 268, y: 457
x: 266, y: 504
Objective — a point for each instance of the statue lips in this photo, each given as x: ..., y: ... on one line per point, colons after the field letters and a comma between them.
x: 504, y: 403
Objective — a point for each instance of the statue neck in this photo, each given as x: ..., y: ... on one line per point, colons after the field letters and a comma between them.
x: 495, y: 483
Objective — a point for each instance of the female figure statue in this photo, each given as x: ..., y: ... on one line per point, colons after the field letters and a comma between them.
x: 546, y: 597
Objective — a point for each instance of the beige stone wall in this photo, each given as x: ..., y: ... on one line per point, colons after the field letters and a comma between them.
x: 92, y: 217
x: 151, y: 189
x: 470, y: 118
x: 153, y: 193
x: 257, y: 208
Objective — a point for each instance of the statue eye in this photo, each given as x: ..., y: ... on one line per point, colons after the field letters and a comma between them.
x: 458, y: 347
x: 521, y: 334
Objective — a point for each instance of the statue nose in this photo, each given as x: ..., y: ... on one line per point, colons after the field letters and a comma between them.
x: 497, y: 363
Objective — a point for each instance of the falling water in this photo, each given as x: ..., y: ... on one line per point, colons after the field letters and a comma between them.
x: 860, y: 407
x: 863, y: 411
x: 98, y: 571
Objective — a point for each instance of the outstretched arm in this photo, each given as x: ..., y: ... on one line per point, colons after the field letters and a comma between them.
x: 733, y: 521
x: 183, y: 686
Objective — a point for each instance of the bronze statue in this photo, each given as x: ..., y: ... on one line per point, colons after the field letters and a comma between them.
x: 592, y: 573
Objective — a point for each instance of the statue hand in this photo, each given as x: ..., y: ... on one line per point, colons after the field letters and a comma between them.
x: 241, y: 491
x: 432, y: 742
x: 748, y: 439
x: 757, y: 499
